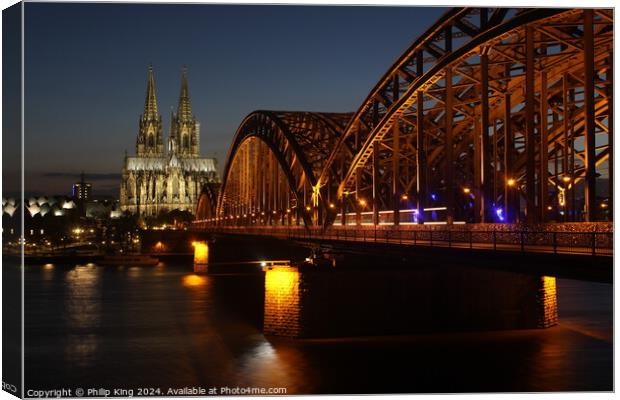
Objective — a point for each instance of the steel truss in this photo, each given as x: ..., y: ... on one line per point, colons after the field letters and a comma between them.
x: 492, y: 113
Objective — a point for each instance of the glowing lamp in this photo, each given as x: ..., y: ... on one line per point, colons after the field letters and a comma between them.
x: 566, y: 178
x: 201, y: 253
x: 466, y: 190
x: 159, y: 246
x: 362, y: 202
x: 331, y: 205
x: 511, y: 182
x: 404, y: 197
x: 308, y: 208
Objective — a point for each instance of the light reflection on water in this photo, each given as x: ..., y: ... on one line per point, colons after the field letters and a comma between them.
x: 167, y: 326
x: 83, y: 314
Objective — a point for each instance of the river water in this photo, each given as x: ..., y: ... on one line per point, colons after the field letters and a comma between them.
x: 165, y: 327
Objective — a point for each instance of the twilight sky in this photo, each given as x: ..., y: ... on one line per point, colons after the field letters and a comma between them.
x: 85, y: 73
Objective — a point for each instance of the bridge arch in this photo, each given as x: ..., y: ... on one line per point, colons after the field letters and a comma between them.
x: 492, y: 115
x: 462, y: 110
x: 272, y: 167
x: 206, y: 207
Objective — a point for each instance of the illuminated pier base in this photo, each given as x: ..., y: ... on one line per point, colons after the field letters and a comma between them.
x: 315, y: 303
x: 201, y: 256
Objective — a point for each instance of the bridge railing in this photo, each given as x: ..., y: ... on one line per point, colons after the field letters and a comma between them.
x: 556, y: 242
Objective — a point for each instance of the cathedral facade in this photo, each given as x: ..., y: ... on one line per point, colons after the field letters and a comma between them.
x: 162, y: 178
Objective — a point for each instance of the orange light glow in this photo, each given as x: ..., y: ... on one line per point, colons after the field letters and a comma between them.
x: 308, y: 208
x: 362, y: 202
x: 466, y: 190
x: 159, y: 246
x: 194, y: 280
x: 511, y: 182
x: 331, y: 205
x: 281, y: 282
x: 201, y: 253
x: 404, y: 197
x: 566, y: 178
x: 282, y: 298
x: 550, y: 301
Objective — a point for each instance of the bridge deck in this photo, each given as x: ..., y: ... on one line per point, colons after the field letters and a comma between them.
x: 582, y: 243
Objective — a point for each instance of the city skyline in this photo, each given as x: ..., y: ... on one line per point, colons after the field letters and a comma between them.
x: 276, y: 57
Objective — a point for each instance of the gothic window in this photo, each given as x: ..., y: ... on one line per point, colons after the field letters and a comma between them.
x: 131, y: 188
x: 151, y: 141
x: 175, y: 187
x: 185, y: 141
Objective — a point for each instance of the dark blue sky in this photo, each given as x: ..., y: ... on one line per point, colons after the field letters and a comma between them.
x: 86, y: 73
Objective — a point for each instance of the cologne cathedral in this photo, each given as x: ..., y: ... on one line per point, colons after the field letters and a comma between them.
x: 164, y: 178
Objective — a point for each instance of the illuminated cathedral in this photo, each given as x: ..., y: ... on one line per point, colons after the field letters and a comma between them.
x: 164, y: 178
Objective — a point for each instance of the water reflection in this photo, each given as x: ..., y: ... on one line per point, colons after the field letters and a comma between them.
x: 48, y: 272
x: 83, y: 314
x: 193, y: 281
x: 134, y: 272
x: 164, y: 325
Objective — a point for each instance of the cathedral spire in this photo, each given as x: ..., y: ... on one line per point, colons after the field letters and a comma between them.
x: 150, y: 104
x: 150, y: 137
x: 184, y: 110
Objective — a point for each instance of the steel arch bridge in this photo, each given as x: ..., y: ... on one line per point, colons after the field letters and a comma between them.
x: 493, y: 114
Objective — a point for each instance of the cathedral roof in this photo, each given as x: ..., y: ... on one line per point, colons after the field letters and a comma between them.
x: 160, y: 164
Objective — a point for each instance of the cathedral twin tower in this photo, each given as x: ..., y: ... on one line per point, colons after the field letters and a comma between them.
x: 184, y: 129
x: 157, y: 179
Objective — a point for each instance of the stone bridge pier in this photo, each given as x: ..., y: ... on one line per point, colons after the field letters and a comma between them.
x: 308, y: 302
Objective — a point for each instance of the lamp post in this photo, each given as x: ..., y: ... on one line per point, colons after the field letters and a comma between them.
x: 512, y: 209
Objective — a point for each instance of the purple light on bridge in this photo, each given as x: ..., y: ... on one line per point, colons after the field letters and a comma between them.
x: 500, y: 214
